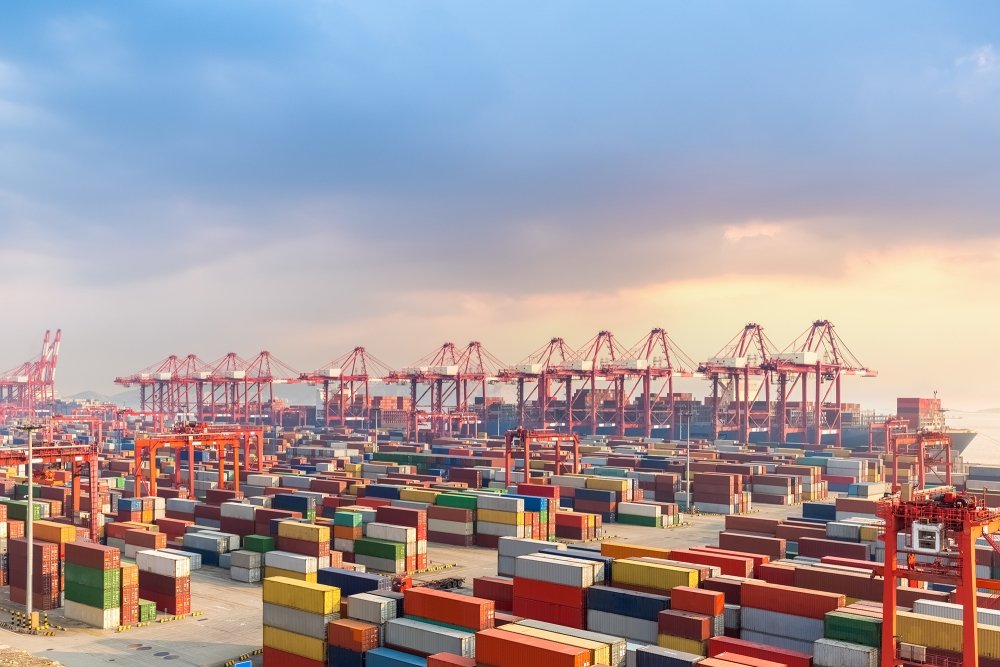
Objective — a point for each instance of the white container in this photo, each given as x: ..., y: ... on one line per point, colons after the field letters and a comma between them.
x: 732, y: 616
x: 635, y: 629
x: 295, y: 481
x: 837, y: 530
x: 505, y: 566
x: 954, y: 611
x: 343, y: 545
x: 449, y: 527
x: 181, y: 505
x: 165, y: 564
x: 391, y: 532
x: 381, y: 564
x: 777, y: 640
x: 232, y: 540
x: 616, y: 645
x: 499, y: 503
x: 639, y: 509
x: 567, y: 572
x: 241, y: 511
x: 501, y: 529
x: 105, y: 619
x: 206, y: 542
x: 833, y: 653
x: 297, y: 621
x: 785, y: 625
x: 285, y: 560
x: 247, y: 576
x: 513, y: 546
x: 260, y: 501
x: 246, y: 559
x: 265, y: 481
x: 420, y: 637
x: 371, y: 608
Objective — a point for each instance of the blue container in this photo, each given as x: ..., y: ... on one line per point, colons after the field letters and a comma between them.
x: 820, y: 510
x: 207, y: 557
x: 382, y: 491
x: 129, y: 504
x: 585, y: 555
x: 350, y: 582
x: 655, y: 656
x: 626, y: 603
x: 533, y: 503
x: 566, y: 503
x: 342, y: 657
x: 386, y: 657
x: 595, y: 494
x: 293, y: 503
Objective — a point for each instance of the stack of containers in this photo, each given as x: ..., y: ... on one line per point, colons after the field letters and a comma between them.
x: 290, y: 566
x: 414, y: 635
x: 498, y: 589
x: 640, y: 514
x: 554, y: 588
x: 509, y: 548
x: 93, y: 584
x: 656, y: 656
x: 134, y: 609
x: 696, y: 604
x: 451, y: 525
x: 616, y: 645
x: 129, y: 509
x: 296, y: 615
x: 45, y: 578
x: 380, y: 555
x: 304, y: 538
x: 577, y: 525
x: 237, y: 518
x: 245, y: 566
x: 784, y: 616
x: 739, y: 648
x: 348, y: 640
x: 142, y: 539
x: 416, y: 556
x: 165, y: 579
x: 498, y: 516
x: 372, y: 608
x: 500, y: 648
x: 346, y: 529
x: 294, y: 502
x: 350, y: 582
x: 209, y: 545
x: 623, y: 613
x: 719, y: 493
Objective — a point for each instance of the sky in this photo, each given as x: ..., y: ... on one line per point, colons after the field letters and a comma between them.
x: 204, y: 177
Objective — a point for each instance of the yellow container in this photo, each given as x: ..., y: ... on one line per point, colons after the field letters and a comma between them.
x: 352, y: 468
x: 600, y: 653
x: 52, y: 531
x: 944, y: 633
x: 307, y: 532
x: 301, y: 645
x: 418, y: 495
x: 311, y: 597
x: 681, y: 644
x: 868, y: 533
x: 309, y: 577
x: 498, y: 516
x: 608, y: 484
x: 627, y: 550
x: 652, y: 575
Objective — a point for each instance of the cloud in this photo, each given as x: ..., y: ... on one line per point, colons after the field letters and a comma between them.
x: 751, y: 230
x: 983, y: 60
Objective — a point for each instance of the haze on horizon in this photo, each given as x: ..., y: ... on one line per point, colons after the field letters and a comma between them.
x: 188, y: 177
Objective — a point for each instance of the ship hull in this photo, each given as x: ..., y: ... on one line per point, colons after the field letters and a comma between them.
x: 857, y: 439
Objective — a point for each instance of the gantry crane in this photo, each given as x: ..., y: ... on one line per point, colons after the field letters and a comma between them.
x: 941, y: 530
x: 546, y: 368
x: 198, y: 437
x: 736, y: 406
x: 529, y: 440
x: 931, y: 452
x: 29, y: 388
x: 822, y: 353
x: 351, y: 375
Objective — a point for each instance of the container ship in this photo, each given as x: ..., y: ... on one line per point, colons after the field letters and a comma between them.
x: 919, y: 414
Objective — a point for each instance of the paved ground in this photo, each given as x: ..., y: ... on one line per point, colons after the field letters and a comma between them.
x: 230, y: 622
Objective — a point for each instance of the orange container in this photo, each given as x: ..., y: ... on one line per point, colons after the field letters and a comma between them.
x: 497, y: 648
x: 626, y: 550
x: 731, y: 565
x: 747, y: 660
x: 697, y: 600
x: 353, y: 635
x: 142, y: 538
x: 451, y: 608
x: 449, y: 660
x: 789, y: 599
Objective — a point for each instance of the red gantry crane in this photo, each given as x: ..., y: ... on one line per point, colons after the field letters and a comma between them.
x: 29, y: 389
x: 351, y: 376
x: 819, y: 352
x: 589, y: 407
x: 737, y: 405
x: 543, y: 367
x: 652, y: 363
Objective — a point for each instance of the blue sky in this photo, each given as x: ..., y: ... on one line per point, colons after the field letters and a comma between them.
x: 303, y: 177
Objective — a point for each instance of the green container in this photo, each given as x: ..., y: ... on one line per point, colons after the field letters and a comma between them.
x: 80, y: 575
x: 635, y: 520
x: 147, y: 611
x: 847, y: 627
x: 351, y: 519
x: 369, y: 546
x: 119, y: 482
x: 460, y: 500
x: 605, y: 471
x: 18, y: 510
x: 21, y: 491
x: 94, y: 597
x: 259, y: 543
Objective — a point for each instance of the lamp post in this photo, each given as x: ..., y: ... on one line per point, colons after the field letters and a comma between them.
x: 29, y: 526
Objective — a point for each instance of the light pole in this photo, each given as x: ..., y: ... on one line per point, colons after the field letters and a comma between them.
x: 687, y: 449
x: 29, y: 526
x: 375, y: 436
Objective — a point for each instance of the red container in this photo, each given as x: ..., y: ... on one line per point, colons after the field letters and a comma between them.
x: 817, y: 548
x: 94, y: 556
x: 241, y: 527
x: 276, y: 658
x: 729, y: 586
x: 732, y: 565
x: 456, y: 514
x: 143, y: 538
x: 778, y: 573
x: 498, y: 589
x: 353, y: 635
x: 150, y: 582
x: 686, y: 624
x: 449, y: 660
x: 473, y: 613
x: 496, y: 648
x: 698, y: 600
x: 450, y: 538
x: 861, y: 586
x: 40, y: 601
x: 767, y: 546
x: 486, y: 541
x: 546, y: 591
x: 789, y: 599
x: 502, y: 618
x: 169, y: 604
x: 317, y: 549
x: 752, y: 524
x: 758, y: 559
x: 717, y: 645
x: 794, y: 532
x: 573, y: 617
